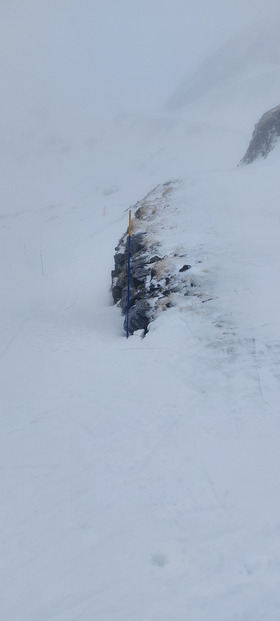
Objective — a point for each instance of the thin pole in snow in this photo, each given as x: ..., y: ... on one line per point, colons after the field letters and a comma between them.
x: 42, y: 264
x: 128, y: 275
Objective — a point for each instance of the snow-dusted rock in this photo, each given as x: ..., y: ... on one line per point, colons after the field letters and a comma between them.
x: 265, y: 136
x: 155, y: 271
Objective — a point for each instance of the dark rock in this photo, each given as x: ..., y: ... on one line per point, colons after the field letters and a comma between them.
x: 116, y: 293
x: 265, y: 136
x: 120, y: 258
x: 185, y: 268
x: 134, y: 296
x: 139, y: 276
x: 137, y: 243
x: 139, y: 317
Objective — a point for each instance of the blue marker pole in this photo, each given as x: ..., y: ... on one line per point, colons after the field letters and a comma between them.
x: 128, y: 275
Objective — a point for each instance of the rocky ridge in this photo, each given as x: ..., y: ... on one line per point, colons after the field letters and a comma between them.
x: 265, y: 136
x: 159, y: 275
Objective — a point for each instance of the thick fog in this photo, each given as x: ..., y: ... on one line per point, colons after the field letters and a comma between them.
x: 82, y: 58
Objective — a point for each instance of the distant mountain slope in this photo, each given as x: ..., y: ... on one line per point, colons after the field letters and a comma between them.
x: 245, y: 69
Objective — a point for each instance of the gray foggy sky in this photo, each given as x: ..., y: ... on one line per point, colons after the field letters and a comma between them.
x: 93, y: 56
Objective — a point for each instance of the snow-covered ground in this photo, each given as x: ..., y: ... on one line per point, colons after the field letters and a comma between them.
x: 139, y: 478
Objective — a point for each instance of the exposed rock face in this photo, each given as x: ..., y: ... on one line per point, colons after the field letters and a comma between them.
x: 140, y: 312
x: 265, y: 136
x: 156, y: 275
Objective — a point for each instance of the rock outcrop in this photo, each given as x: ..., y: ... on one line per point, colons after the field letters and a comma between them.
x: 265, y: 136
x: 156, y: 274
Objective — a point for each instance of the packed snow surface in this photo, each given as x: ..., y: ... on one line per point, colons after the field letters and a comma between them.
x: 140, y: 477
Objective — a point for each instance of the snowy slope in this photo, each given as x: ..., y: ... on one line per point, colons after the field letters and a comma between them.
x: 139, y: 477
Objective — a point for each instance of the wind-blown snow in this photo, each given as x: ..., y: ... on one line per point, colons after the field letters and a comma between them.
x: 139, y: 477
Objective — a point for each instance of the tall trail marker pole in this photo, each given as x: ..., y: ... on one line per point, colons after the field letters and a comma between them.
x: 128, y: 275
